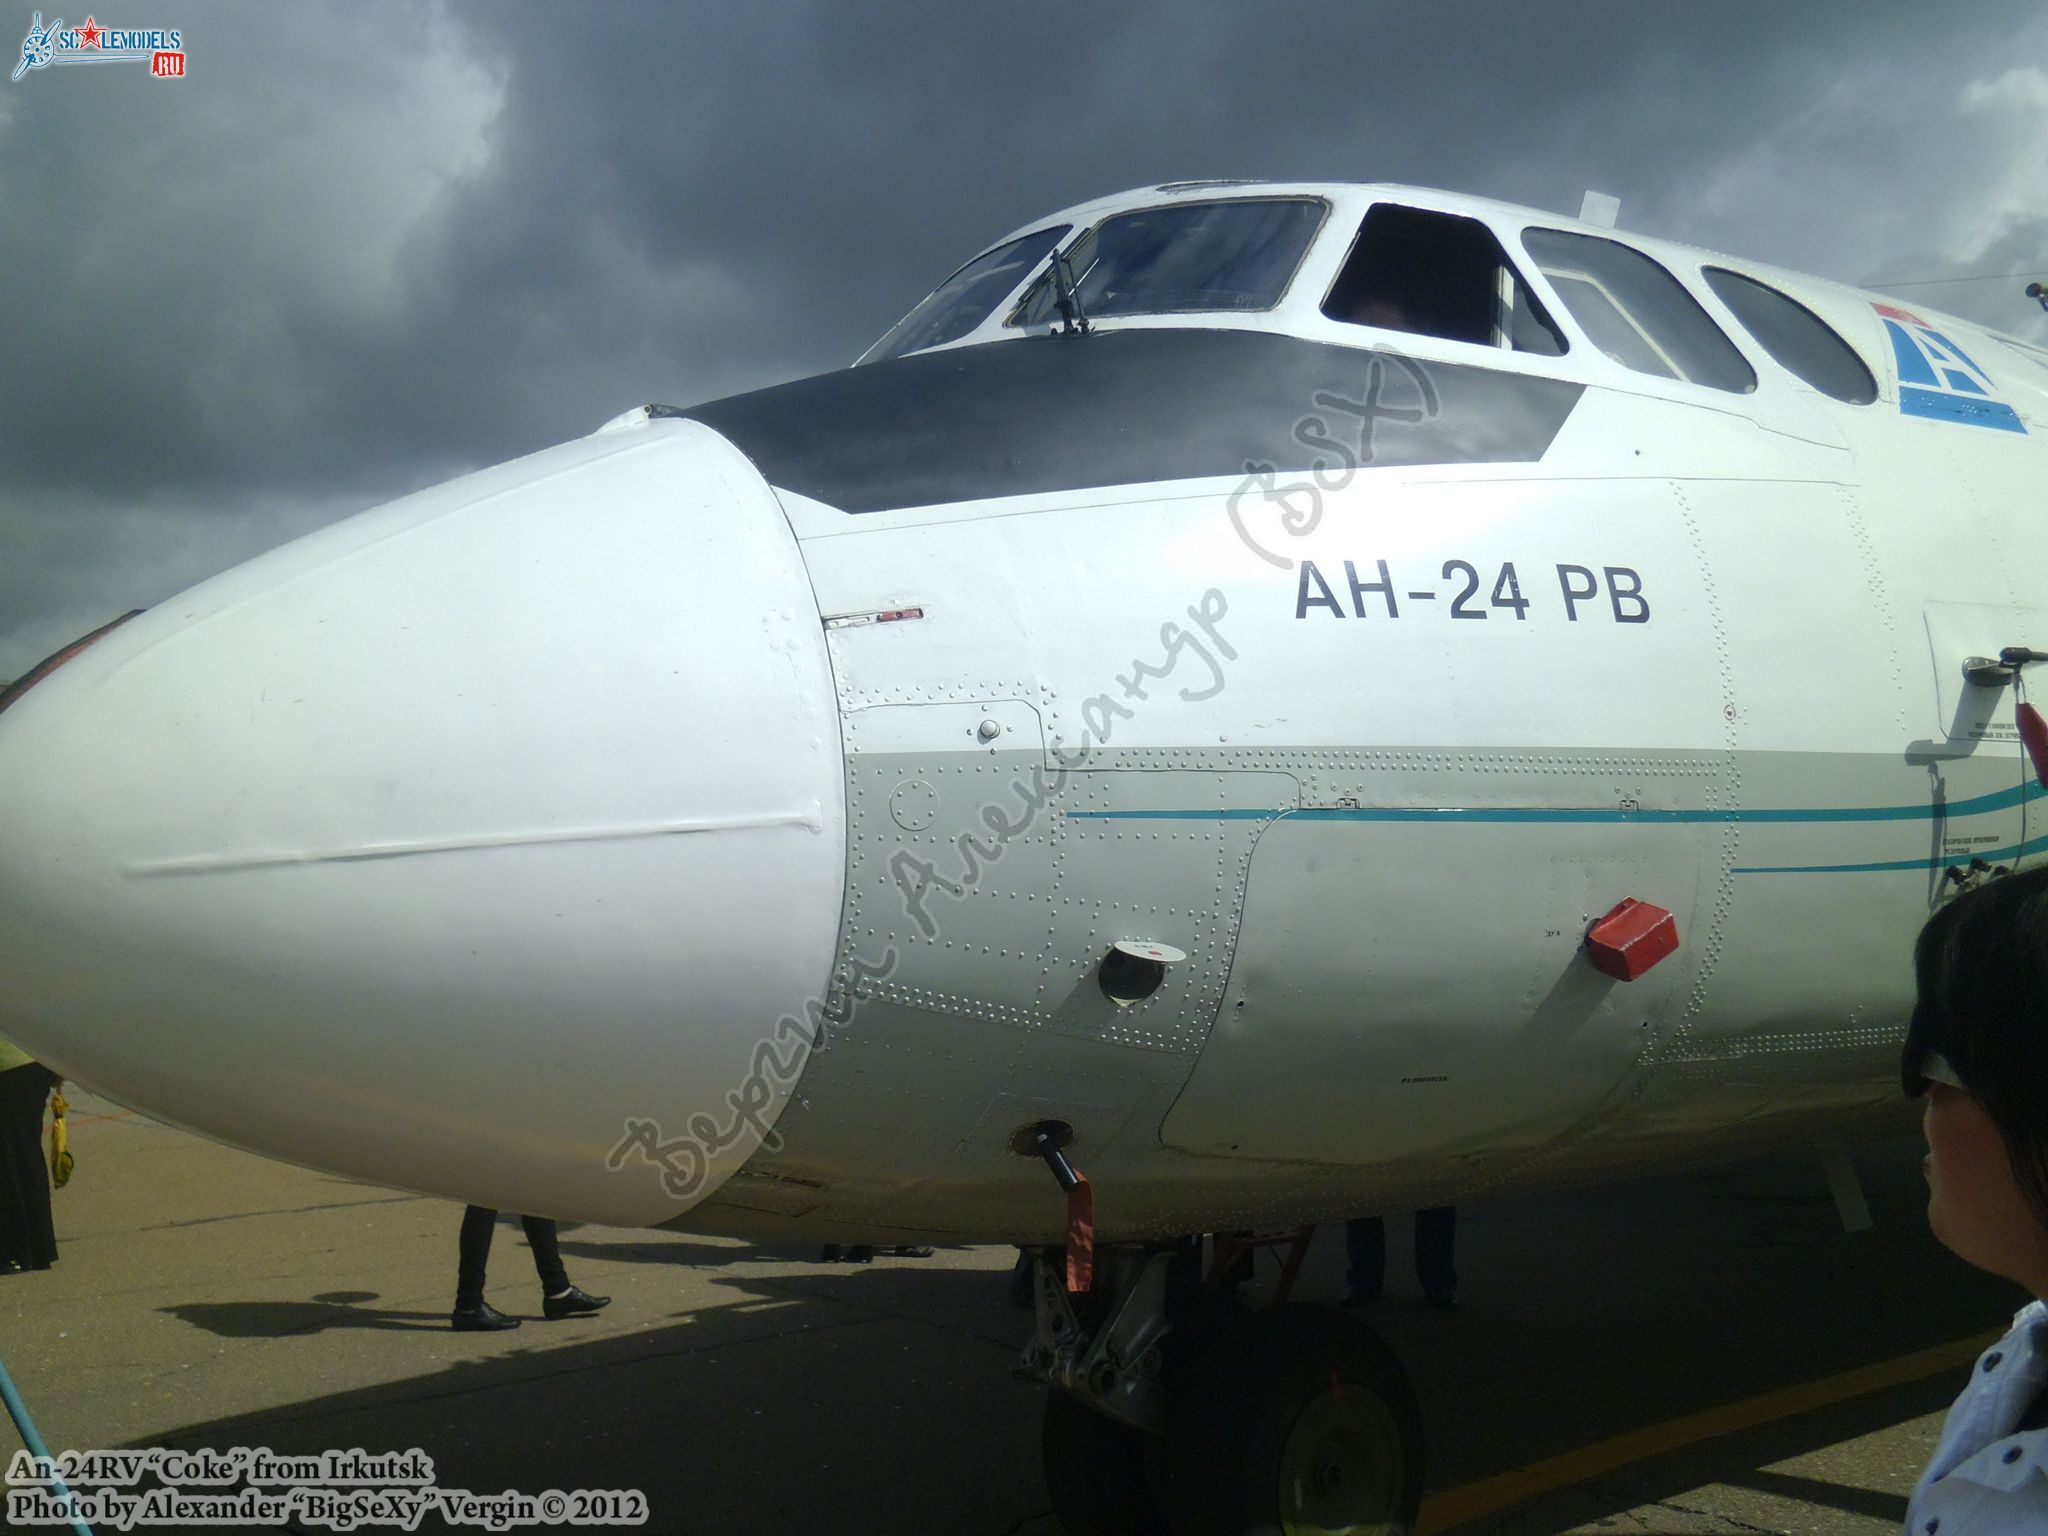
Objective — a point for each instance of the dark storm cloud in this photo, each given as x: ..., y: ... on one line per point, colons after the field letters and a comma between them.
x: 362, y: 248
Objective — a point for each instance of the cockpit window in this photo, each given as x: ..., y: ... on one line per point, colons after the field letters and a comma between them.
x: 1184, y: 258
x: 1636, y: 312
x: 1439, y: 274
x: 968, y: 297
x: 1805, y: 345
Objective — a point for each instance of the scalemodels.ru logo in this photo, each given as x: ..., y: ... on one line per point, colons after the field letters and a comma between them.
x: 161, y: 48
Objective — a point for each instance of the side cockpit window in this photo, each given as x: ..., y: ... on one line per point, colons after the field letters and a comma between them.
x: 1442, y: 275
x: 1636, y: 312
x: 1802, y: 343
x: 968, y: 297
x: 1184, y: 258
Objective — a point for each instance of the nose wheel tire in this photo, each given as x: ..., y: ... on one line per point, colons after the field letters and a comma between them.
x: 1299, y: 1422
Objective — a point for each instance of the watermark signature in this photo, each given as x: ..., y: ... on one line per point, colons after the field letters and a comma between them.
x: 684, y: 1161
x: 241, y: 1486
x: 917, y: 880
x: 1297, y: 506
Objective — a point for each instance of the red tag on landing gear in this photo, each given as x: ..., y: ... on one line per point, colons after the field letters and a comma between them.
x: 1080, y: 1237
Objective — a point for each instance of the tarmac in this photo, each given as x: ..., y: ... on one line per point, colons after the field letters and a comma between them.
x: 1707, y: 1354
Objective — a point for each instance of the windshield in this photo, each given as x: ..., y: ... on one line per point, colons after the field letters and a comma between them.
x: 1183, y: 257
x: 968, y: 297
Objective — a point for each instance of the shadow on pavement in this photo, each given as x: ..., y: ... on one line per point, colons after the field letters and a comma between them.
x: 278, y: 1319
x: 847, y: 1404
x: 1888, y: 1507
x: 680, y: 1251
x: 858, y: 1399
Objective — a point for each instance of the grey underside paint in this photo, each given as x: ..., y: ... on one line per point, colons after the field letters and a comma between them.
x: 905, y: 1122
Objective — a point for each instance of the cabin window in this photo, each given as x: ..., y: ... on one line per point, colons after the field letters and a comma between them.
x: 1805, y: 345
x: 1636, y: 312
x: 1183, y: 258
x: 968, y: 297
x: 1438, y: 274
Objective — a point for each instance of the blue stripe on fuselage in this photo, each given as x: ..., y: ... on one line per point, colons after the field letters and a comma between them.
x: 2004, y: 799
x: 1524, y: 815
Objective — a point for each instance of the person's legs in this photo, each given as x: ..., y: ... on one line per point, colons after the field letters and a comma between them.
x: 1022, y: 1283
x: 475, y: 1255
x: 28, y: 1239
x: 472, y: 1313
x: 558, y: 1298
x: 547, y: 1254
x: 1436, y: 1236
x: 1365, y: 1255
x: 1240, y: 1269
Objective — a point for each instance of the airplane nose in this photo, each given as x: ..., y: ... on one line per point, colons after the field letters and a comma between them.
x: 454, y: 846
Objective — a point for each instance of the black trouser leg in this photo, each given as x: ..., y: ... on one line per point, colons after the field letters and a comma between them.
x: 1365, y: 1254
x: 27, y: 1236
x: 477, y: 1223
x: 1022, y: 1280
x: 547, y: 1254
x: 1240, y: 1268
x: 1436, y: 1237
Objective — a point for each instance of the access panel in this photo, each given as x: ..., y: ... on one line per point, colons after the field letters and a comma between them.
x: 1413, y: 983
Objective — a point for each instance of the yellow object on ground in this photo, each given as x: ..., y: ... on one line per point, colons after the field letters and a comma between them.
x: 60, y: 1148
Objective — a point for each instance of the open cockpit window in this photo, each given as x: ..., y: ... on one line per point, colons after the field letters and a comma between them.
x: 1636, y: 312
x: 1438, y: 274
x: 968, y: 297
x: 1184, y: 258
x: 1804, y: 345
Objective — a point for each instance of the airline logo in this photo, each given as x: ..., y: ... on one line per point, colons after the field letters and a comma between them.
x: 1937, y: 379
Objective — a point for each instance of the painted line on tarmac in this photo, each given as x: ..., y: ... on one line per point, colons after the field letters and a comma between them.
x: 119, y: 1114
x: 1458, y: 1506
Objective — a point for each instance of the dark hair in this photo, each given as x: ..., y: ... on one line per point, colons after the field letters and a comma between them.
x: 1981, y: 965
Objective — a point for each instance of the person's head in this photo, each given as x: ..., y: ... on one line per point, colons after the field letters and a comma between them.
x: 1977, y: 1056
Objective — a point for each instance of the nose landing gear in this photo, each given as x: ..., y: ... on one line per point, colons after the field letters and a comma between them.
x: 1219, y: 1422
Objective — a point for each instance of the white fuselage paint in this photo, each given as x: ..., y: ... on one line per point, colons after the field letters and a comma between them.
x: 532, y: 840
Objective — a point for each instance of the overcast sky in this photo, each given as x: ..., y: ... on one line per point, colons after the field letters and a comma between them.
x: 364, y: 247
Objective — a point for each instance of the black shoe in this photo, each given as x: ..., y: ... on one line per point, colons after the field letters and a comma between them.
x: 574, y: 1302
x: 1444, y: 1298
x: 12, y: 1267
x: 481, y: 1318
x: 860, y: 1253
x: 831, y: 1253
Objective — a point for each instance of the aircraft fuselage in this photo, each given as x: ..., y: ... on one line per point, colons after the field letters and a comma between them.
x: 727, y: 820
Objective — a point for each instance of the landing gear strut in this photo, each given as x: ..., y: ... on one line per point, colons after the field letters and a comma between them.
x: 1172, y: 1409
